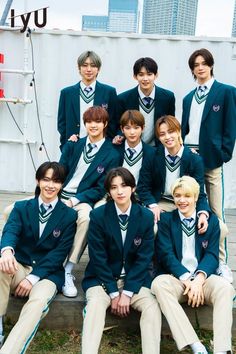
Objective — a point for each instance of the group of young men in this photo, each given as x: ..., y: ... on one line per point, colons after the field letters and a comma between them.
x: 127, y: 186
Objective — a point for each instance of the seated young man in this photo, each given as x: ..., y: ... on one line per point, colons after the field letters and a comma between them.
x: 35, y: 242
x: 86, y: 161
x: 172, y: 160
x: 187, y: 262
x: 121, y: 243
x: 76, y: 99
x: 151, y: 100
x: 133, y: 150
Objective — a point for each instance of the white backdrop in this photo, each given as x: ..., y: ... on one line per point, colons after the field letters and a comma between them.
x: 55, y: 56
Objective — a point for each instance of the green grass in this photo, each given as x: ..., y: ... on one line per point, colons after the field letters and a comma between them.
x: 114, y: 341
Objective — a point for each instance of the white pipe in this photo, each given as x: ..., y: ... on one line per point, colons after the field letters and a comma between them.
x: 17, y: 71
x: 15, y: 100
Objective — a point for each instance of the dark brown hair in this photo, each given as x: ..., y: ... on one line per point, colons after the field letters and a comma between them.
x: 59, y: 173
x: 208, y: 57
x: 134, y: 117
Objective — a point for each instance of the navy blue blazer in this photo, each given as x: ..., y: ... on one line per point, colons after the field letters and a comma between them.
x: 47, y: 253
x: 91, y: 188
x: 68, y: 119
x: 218, y: 124
x: 168, y: 246
x: 107, y: 255
x: 164, y: 103
x: 152, y: 177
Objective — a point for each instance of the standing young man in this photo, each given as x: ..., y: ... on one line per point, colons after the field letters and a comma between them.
x: 133, y: 150
x: 187, y: 263
x: 151, y: 100
x: 76, y: 99
x: 209, y: 126
x: 120, y: 242
x: 35, y: 242
x: 86, y: 161
x: 172, y: 160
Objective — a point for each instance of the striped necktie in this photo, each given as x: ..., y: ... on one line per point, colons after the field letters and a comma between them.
x: 123, y: 221
x: 147, y: 101
x: 202, y: 90
x: 173, y: 159
x: 131, y: 153
x: 188, y: 222
x: 90, y: 148
x: 88, y: 89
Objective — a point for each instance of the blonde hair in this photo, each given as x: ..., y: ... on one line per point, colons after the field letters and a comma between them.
x: 188, y: 184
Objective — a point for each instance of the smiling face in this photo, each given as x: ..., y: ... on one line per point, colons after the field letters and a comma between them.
x: 95, y: 130
x: 170, y: 138
x: 49, y: 187
x: 201, y: 70
x: 121, y: 193
x: 185, y: 201
x: 88, y: 71
x: 146, y: 80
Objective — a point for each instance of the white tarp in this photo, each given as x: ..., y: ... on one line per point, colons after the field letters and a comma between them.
x: 55, y: 57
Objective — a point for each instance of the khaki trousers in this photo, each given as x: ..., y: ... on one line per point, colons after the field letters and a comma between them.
x: 215, y: 190
x: 218, y: 293
x: 80, y: 239
x: 34, y: 310
x: 94, y: 319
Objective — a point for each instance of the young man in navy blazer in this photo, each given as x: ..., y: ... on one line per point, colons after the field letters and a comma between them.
x: 209, y: 126
x: 151, y: 100
x: 35, y: 242
x: 172, y: 160
x: 86, y: 161
x: 76, y: 99
x: 120, y: 243
x: 186, y: 264
x: 133, y: 151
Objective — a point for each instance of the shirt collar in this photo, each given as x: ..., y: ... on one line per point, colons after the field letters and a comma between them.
x: 208, y: 84
x: 179, y: 153
x: 93, y: 84
x: 152, y: 94
x: 98, y: 143
x: 53, y: 203
x: 138, y: 148
x: 121, y: 212
x: 182, y: 217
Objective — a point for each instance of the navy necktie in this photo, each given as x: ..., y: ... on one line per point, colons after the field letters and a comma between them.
x: 43, y: 210
x: 90, y: 148
x: 147, y: 101
x: 202, y: 90
x: 172, y: 158
x: 88, y: 90
x: 188, y: 221
x: 131, y: 153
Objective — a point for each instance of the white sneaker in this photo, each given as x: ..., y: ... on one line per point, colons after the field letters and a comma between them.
x: 224, y: 271
x: 69, y: 288
x: 1, y: 340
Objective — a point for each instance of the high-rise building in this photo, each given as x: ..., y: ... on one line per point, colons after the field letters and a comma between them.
x: 171, y: 17
x: 123, y: 16
x: 94, y: 23
x: 234, y: 21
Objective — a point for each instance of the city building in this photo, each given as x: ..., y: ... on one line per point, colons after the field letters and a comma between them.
x: 94, y: 23
x: 170, y: 17
x: 234, y: 21
x: 123, y: 16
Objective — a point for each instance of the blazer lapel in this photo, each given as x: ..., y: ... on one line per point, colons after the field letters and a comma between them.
x: 162, y: 166
x: 210, y: 100
x: 132, y: 230
x: 184, y: 161
x: 177, y: 232
x: 53, y: 221
x: 113, y: 225
x: 33, y: 212
x: 98, y: 95
x: 75, y: 99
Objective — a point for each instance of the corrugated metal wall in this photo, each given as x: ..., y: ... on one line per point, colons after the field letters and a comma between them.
x: 55, y: 56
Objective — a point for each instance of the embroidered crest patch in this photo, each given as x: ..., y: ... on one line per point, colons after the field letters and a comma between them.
x: 56, y: 233
x: 137, y: 241
x: 100, y: 169
x: 205, y: 243
x: 216, y: 108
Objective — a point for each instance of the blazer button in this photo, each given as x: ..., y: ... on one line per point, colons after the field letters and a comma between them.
x: 78, y: 125
x: 34, y: 262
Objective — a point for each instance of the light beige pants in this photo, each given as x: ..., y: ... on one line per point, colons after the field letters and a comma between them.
x: 94, y: 319
x: 218, y: 293
x: 32, y: 312
x: 215, y: 191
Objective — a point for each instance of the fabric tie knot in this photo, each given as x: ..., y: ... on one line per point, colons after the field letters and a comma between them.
x: 172, y: 158
x: 188, y: 221
x: 147, y: 101
x: 88, y: 89
x: 90, y: 147
x: 202, y: 90
x: 131, y: 153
